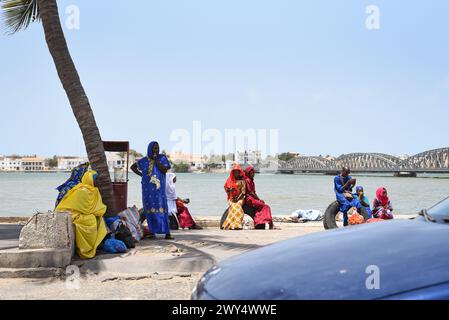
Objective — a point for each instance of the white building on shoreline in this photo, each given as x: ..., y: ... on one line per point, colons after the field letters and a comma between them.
x: 10, y: 163
x: 33, y: 164
x: 196, y: 162
x: 69, y: 163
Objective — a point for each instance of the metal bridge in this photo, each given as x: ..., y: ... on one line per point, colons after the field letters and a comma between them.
x: 432, y: 161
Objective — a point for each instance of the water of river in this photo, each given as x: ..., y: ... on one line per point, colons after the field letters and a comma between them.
x: 22, y: 194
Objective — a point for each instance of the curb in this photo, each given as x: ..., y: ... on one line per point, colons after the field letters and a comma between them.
x: 34, y: 273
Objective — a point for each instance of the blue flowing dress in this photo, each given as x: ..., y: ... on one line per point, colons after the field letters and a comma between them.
x: 153, y: 194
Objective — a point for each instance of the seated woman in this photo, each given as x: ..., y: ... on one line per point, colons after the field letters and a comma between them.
x: 262, y: 211
x: 176, y: 206
x: 360, y: 194
x: 86, y: 206
x: 235, y: 188
x: 382, y: 207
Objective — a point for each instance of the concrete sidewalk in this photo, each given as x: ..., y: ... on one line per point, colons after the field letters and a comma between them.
x: 155, y: 269
x: 9, y: 236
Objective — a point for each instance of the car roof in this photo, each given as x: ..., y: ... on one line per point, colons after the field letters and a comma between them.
x: 409, y: 254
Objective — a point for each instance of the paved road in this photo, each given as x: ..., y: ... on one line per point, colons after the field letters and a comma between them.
x: 9, y: 236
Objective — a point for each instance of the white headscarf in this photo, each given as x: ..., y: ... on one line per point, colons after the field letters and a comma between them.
x: 170, y: 189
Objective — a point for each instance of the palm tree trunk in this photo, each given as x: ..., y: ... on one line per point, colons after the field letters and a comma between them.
x: 79, y: 102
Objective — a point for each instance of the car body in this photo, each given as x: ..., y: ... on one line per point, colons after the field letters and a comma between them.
x: 397, y: 259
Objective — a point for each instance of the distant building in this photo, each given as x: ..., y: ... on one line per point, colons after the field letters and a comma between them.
x: 248, y: 157
x: 33, y: 164
x: 10, y: 163
x: 115, y: 160
x: 195, y: 161
x: 69, y: 163
x: 229, y: 164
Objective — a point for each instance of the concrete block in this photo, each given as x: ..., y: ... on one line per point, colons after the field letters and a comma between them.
x: 53, y: 230
x: 35, y: 258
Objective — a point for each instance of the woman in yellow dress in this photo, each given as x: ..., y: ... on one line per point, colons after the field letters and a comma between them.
x: 86, y: 206
x: 235, y: 188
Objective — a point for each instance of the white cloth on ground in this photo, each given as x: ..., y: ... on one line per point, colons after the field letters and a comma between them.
x: 309, y: 215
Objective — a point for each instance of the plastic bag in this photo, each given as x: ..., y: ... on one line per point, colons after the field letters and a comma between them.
x: 112, y: 245
x: 123, y: 234
x: 356, y: 218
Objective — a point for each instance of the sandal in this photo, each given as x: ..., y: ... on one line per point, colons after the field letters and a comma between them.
x: 169, y: 237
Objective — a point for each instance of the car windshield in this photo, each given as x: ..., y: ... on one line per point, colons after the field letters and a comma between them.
x: 440, y: 211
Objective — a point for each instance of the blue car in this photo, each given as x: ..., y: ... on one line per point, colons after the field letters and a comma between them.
x: 397, y: 259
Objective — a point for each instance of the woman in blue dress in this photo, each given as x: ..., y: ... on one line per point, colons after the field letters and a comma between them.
x: 152, y: 169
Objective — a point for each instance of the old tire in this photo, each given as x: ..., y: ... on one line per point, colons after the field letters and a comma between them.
x: 330, y: 215
x: 223, y: 218
x: 329, y: 221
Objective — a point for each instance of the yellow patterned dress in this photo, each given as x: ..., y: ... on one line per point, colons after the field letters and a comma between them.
x: 234, y: 221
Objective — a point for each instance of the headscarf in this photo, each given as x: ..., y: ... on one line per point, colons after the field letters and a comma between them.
x: 84, y: 198
x: 170, y: 189
x: 248, y: 170
x: 150, y: 149
x: 231, y: 183
x: 250, y: 185
x: 358, y: 188
x: 75, y: 178
x: 379, y: 195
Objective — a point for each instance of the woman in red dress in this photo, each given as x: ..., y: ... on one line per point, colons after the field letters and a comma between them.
x: 263, y: 211
x: 382, y: 207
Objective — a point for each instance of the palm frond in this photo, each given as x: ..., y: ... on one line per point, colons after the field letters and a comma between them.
x: 18, y: 14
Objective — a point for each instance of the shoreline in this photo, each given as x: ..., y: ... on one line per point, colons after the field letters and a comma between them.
x: 385, y: 175
x: 207, y: 221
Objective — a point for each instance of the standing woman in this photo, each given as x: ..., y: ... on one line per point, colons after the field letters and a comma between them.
x: 152, y: 169
x: 235, y: 189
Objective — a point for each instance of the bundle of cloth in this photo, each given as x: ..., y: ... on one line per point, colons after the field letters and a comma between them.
x: 307, y: 215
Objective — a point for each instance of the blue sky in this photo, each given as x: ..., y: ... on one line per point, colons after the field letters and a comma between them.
x: 308, y: 68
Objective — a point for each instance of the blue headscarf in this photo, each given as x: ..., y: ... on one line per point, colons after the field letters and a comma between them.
x: 358, y: 188
x: 150, y: 149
